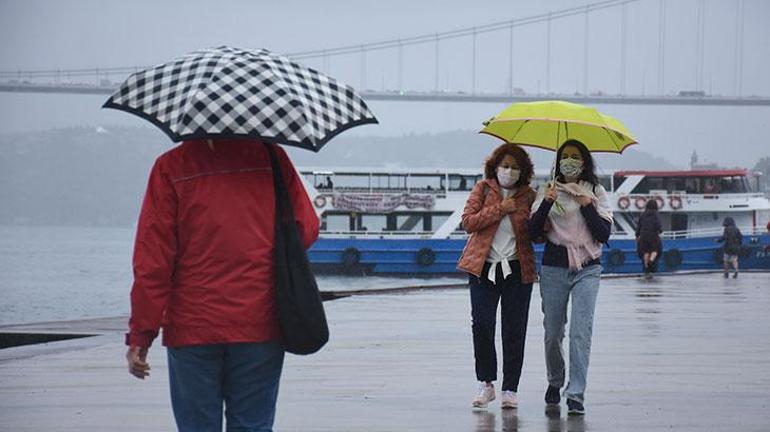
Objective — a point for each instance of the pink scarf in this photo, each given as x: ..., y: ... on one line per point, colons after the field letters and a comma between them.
x: 569, y: 228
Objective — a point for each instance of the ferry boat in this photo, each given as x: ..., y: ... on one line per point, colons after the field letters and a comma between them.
x: 390, y: 221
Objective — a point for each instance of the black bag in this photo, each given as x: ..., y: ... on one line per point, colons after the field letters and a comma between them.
x: 300, y: 308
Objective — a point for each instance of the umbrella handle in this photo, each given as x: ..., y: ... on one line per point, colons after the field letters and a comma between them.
x: 553, y: 171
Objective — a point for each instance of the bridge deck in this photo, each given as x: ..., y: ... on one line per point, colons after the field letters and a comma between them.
x: 450, y: 97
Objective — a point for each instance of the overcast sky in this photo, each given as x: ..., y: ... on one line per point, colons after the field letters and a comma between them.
x: 53, y: 34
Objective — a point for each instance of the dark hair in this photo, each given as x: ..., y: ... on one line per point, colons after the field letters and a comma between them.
x: 651, y: 206
x: 522, y: 160
x: 728, y: 222
x: 588, y: 173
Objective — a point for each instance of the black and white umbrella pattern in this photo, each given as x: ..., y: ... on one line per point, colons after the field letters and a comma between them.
x: 231, y: 92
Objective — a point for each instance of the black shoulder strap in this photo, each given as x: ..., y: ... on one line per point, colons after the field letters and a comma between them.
x: 283, y: 208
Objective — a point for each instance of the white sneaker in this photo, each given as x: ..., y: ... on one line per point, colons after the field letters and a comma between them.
x: 485, y: 396
x: 510, y: 400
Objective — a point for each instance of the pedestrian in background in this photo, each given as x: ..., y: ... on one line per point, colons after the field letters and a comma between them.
x: 733, y: 239
x: 648, y: 230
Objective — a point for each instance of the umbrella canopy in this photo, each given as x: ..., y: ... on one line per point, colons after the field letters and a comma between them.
x: 231, y: 92
x: 548, y: 124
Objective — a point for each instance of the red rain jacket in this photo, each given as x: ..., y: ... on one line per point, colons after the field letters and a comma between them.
x: 204, y: 245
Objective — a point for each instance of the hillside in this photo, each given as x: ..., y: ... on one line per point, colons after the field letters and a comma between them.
x: 97, y: 176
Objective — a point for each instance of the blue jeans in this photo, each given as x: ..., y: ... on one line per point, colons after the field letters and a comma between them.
x: 557, y: 284
x: 241, y: 376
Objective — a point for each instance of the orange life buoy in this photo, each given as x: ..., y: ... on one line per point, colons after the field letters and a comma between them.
x: 623, y: 202
x: 660, y: 202
x: 675, y: 203
x: 319, y: 201
x: 640, y: 202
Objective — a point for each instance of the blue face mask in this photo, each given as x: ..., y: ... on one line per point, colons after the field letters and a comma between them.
x: 571, y: 167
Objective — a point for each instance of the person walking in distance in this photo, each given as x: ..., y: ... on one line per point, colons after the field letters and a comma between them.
x: 733, y: 239
x: 648, y: 230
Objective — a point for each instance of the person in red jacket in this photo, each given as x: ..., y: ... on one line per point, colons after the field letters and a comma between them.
x: 203, y: 271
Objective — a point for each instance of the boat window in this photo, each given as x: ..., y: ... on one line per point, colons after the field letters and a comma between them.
x: 649, y: 183
x: 438, y: 219
x: 373, y: 222
x: 389, y: 182
x: 336, y: 222
x: 618, y: 181
x: 732, y: 184
x: 726, y: 185
x: 675, y: 184
x: 323, y: 181
x: 425, y: 182
x: 409, y: 222
x: 741, y: 184
x: 692, y: 185
x: 711, y: 186
x: 351, y: 181
x: 458, y: 182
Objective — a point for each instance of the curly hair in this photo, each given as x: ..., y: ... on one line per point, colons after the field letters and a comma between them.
x: 522, y: 160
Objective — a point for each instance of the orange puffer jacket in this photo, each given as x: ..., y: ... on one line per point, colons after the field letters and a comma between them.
x: 481, y: 218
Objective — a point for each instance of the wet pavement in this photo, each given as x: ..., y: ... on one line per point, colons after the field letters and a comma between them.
x: 684, y: 353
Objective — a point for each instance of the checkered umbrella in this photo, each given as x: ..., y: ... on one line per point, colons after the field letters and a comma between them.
x: 230, y: 92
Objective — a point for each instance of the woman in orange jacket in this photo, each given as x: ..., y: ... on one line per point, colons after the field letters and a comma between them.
x: 500, y: 263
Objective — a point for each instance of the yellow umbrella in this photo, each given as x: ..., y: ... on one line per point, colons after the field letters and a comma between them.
x: 548, y: 124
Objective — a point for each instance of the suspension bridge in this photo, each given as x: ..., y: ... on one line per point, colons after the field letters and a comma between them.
x: 105, y: 80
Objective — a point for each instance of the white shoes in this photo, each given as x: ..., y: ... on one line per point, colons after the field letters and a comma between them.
x: 510, y: 400
x: 485, y: 395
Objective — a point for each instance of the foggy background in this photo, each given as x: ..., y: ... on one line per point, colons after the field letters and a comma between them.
x: 65, y: 160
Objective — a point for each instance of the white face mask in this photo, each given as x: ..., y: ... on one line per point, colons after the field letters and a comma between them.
x: 507, y: 177
x: 571, y: 167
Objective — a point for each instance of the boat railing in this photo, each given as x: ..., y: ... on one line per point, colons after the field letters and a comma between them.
x: 389, y: 234
x: 683, y: 194
x: 388, y: 191
x: 458, y: 234
x: 378, y: 234
x: 709, y: 232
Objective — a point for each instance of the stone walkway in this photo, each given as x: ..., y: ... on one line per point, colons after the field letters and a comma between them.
x: 684, y: 353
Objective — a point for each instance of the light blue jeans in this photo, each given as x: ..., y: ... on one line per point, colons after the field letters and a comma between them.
x: 557, y: 285
x: 241, y: 376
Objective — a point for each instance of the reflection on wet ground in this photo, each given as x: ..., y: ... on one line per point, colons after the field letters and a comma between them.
x: 665, y: 353
x: 508, y: 421
x: 683, y: 353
